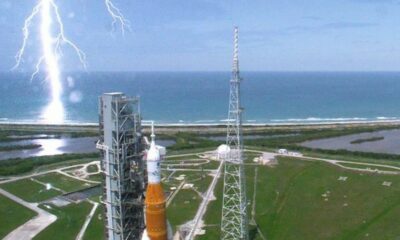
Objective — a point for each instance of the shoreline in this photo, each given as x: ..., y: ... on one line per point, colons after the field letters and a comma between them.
x: 207, y: 124
x: 197, y: 127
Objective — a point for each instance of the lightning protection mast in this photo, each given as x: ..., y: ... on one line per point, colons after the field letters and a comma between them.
x: 234, y: 222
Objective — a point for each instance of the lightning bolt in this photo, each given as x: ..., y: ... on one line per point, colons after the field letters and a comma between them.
x: 51, y: 52
x: 48, y: 13
x: 25, y: 32
x: 117, y: 17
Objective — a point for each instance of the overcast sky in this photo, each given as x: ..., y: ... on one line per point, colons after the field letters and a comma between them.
x: 187, y: 35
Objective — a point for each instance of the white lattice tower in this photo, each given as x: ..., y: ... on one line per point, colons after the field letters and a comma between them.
x: 234, y: 222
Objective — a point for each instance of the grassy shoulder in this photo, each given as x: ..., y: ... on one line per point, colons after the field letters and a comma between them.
x: 367, y: 167
x: 306, y: 200
x: 183, y: 208
x: 190, y: 141
x: 69, y: 221
x: 92, y: 168
x: 96, y: 227
x: 29, y: 190
x: 393, y: 160
x: 212, y: 217
x: 34, y: 189
x: 25, y: 165
x: 28, y: 132
x: 12, y: 215
x: 66, y: 163
x: 65, y: 183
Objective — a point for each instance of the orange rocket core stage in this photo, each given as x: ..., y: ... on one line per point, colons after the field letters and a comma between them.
x: 155, y: 212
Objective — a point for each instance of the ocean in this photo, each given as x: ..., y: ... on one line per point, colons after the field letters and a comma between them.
x: 202, y: 97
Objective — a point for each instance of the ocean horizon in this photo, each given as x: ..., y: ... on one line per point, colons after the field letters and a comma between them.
x: 202, y: 97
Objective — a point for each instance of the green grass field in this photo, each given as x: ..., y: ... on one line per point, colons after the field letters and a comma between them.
x: 63, y: 182
x: 346, y: 157
x: 296, y: 199
x: 92, y: 168
x: 12, y: 215
x: 96, y: 177
x: 69, y: 221
x: 29, y: 190
x: 96, y: 226
x: 24, y: 165
x: 352, y: 165
x: 290, y: 203
x: 65, y: 164
x: 183, y: 207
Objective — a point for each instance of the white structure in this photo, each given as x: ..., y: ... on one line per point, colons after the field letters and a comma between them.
x: 234, y: 222
x: 295, y: 154
x: 223, y: 152
x: 268, y: 159
x: 122, y: 165
x: 283, y: 151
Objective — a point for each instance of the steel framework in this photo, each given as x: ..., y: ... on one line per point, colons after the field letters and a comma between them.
x: 122, y: 164
x: 234, y: 207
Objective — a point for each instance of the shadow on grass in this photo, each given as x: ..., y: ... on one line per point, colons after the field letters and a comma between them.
x: 253, y: 232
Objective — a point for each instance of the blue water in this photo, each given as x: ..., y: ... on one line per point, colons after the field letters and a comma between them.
x: 202, y: 97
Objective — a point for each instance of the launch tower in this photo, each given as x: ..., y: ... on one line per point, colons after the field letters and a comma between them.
x: 234, y: 211
x: 122, y: 164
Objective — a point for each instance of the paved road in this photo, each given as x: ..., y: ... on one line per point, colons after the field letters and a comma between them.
x: 183, y: 155
x: 56, y: 170
x: 34, y: 226
x: 172, y: 196
x: 337, y: 162
x: 203, y: 206
x: 87, y: 221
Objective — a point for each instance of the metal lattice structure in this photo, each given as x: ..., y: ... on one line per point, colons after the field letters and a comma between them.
x: 234, y: 222
x: 123, y: 166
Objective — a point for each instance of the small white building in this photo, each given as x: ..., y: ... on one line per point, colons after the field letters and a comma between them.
x: 268, y: 159
x: 283, y: 151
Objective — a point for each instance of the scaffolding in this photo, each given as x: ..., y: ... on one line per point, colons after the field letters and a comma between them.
x: 122, y: 165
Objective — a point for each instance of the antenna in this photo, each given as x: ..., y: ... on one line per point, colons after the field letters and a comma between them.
x: 153, y: 136
x: 235, y: 66
x: 234, y: 207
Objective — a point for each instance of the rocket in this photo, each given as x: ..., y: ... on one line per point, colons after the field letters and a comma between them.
x: 156, y: 222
